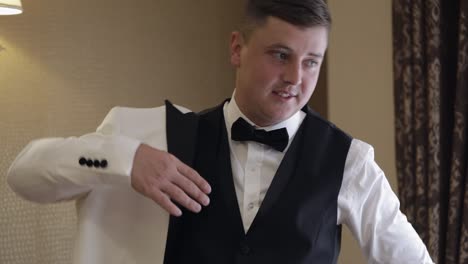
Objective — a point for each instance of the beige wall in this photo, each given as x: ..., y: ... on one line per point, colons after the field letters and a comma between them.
x: 66, y: 63
x: 361, y: 84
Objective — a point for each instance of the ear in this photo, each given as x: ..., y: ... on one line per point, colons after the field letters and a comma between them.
x: 237, y: 42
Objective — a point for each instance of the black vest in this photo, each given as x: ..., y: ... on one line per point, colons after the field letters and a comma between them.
x: 296, y: 222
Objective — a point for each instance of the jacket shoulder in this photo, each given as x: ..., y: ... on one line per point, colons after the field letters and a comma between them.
x: 136, y: 122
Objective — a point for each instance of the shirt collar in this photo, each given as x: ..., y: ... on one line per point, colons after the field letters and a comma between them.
x: 232, y: 113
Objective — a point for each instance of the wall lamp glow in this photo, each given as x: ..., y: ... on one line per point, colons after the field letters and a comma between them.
x: 10, y: 7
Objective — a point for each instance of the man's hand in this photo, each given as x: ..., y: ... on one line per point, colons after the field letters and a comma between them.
x: 162, y: 177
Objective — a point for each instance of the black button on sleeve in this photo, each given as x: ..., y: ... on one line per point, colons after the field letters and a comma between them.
x: 82, y: 161
x: 97, y: 164
x: 89, y: 163
x: 103, y: 163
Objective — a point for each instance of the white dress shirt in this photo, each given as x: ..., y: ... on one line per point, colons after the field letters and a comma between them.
x: 366, y: 203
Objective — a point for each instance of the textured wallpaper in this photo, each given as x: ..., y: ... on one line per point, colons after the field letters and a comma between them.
x: 64, y: 64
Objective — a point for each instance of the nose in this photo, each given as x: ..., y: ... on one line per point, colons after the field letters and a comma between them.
x: 292, y: 73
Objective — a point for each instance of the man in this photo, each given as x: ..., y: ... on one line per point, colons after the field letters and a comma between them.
x: 258, y: 179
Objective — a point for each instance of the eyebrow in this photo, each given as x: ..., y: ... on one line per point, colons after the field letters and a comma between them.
x: 281, y: 46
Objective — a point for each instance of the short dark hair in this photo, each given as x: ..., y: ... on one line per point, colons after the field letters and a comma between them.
x: 302, y: 13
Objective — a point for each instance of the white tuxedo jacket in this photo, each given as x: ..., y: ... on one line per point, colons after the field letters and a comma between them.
x: 115, y: 223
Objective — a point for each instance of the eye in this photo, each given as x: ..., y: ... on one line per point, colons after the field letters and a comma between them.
x: 310, y: 63
x: 280, y: 55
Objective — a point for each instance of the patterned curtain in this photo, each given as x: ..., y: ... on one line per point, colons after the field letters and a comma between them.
x: 431, y: 108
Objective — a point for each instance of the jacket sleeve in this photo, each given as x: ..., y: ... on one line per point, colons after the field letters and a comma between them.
x: 49, y: 170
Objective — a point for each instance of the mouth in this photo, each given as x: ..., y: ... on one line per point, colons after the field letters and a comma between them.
x: 285, y: 94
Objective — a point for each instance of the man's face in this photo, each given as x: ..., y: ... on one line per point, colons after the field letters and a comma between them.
x: 277, y: 69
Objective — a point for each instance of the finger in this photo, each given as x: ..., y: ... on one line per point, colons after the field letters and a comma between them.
x: 191, y: 189
x: 193, y: 176
x: 165, y: 202
x: 176, y: 194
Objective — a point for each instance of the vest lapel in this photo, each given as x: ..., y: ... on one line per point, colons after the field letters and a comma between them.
x: 285, y: 172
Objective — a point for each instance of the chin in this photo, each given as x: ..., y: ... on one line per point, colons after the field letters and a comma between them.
x: 280, y: 118
x: 277, y: 115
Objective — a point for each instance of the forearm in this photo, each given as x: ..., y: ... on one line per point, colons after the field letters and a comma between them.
x: 48, y: 170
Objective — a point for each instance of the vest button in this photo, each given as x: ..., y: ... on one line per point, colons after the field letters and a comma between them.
x: 245, y: 249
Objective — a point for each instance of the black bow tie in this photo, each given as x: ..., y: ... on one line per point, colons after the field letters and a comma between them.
x: 243, y: 131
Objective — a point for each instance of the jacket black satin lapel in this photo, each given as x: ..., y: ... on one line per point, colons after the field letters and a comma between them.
x: 213, y: 130
x: 181, y: 133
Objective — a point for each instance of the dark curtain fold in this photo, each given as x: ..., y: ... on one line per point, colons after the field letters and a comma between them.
x: 431, y: 116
